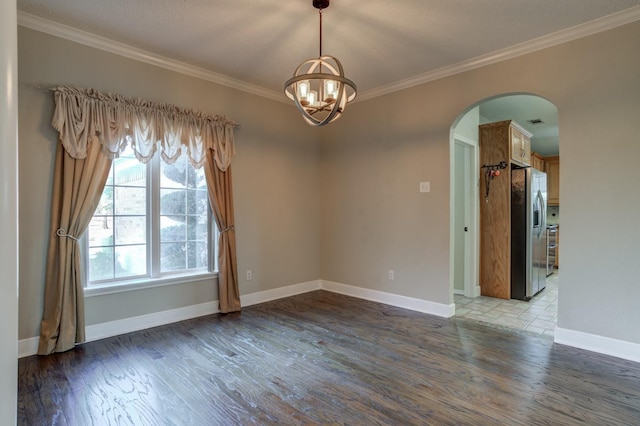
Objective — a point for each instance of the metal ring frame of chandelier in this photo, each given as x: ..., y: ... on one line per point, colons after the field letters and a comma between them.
x: 306, y: 72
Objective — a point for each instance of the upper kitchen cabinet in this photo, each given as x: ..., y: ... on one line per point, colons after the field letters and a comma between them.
x: 520, y: 145
x: 505, y: 141
x: 537, y: 161
x: 552, y: 168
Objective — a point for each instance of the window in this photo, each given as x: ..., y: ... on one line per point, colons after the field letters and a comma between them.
x: 153, y: 221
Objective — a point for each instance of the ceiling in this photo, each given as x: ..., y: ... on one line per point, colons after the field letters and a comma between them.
x: 382, y: 44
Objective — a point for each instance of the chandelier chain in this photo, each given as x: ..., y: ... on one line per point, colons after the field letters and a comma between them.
x: 320, y: 12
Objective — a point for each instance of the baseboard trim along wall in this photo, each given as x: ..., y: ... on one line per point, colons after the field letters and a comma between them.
x: 592, y: 342
x: 279, y: 293
x: 419, y: 305
x: 28, y: 347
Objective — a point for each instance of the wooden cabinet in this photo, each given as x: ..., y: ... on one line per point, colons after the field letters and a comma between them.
x: 520, y: 145
x: 499, y: 142
x: 552, y: 168
x: 537, y: 161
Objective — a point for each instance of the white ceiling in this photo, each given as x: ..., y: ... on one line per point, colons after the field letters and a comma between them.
x: 379, y: 42
x: 383, y: 45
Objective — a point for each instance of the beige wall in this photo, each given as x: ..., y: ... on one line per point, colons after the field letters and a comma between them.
x: 374, y: 219
x: 348, y: 209
x: 275, y: 176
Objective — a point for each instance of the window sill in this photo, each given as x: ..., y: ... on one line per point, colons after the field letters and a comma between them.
x: 140, y: 284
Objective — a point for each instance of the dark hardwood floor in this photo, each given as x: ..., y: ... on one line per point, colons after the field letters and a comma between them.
x: 323, y: 358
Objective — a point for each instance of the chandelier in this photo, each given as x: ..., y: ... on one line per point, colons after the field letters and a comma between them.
x: 318, y: 86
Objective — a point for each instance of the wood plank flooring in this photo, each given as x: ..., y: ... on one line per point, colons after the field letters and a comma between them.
x: 323, y: 358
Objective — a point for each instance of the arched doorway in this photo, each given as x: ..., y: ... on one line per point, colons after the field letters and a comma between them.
x: 539, y: 117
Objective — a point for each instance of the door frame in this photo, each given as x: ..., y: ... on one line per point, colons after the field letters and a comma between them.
x: 472, y: 242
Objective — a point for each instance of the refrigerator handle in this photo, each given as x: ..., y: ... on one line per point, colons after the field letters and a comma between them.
x: 543, y: 211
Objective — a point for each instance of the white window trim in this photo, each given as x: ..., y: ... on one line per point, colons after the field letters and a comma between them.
x: 154, y: 279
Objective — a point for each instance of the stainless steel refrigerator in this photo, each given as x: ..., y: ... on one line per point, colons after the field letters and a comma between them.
x: 528, y: 232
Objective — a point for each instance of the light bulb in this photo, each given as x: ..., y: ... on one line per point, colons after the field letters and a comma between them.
x: 313, y: 97
x: 303, y: 92
x: 330, y: 90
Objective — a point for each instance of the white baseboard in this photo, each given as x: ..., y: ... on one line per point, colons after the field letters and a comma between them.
x: 593, y: 342
x: 142, y: 322
x: 476, y: 291
x: 419, y: 305
x: 28, y: 347
x: 279, y: 293
x: 456, y: 291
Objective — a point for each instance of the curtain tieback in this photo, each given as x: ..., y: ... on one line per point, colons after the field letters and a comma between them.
x: 227, y: 229
x: 62, y: 233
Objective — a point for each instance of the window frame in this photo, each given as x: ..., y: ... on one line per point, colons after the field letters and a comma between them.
x: 154, y: 277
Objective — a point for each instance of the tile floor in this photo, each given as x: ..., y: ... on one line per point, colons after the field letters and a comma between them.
x: 538, y: 315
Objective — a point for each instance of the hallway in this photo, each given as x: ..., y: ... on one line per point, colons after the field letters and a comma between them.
x: 539, y: 315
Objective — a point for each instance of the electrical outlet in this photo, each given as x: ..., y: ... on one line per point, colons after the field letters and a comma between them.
x: 425, y: 186
x: 391, y: 275
x: 249, y: 275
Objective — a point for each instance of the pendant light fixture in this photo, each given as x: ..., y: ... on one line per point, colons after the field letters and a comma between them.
x: 318, y: 86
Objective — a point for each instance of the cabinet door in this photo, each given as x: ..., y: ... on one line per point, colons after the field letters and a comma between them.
x: 537, y: 162
x: 520, y: 148
x: 552, y: 168
x: 526, y: 150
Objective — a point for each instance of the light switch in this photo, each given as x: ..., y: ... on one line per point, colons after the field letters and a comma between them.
x: 425, y: 186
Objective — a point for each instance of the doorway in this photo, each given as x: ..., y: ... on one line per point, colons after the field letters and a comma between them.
x: 465, y: 216
x: 539, y: 117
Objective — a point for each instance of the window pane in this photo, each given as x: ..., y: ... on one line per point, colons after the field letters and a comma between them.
x: 130, y: 201
x: 101, y: 263
x: 172, y: 201
x: 130, y: 230
x: 196, y: 178
x: 101, y: 231
x: 173, y: 256
x: 197, y: 253
x: 197, y: 202
x: 197, y: 228
x: 173, y: 228
x: 175, y: 175
x: 105, y: 206
x: 128, y: 171
x: 131, y: 261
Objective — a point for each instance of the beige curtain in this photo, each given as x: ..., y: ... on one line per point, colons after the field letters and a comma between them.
x: 221, y: 198
x: 77, y: 187
x: 94, y: 128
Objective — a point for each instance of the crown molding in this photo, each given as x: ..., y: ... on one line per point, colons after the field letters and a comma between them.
x: 102, y: 43
x: 582, y: 30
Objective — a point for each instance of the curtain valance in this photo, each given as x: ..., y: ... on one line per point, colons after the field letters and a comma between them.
x: 84, y: 116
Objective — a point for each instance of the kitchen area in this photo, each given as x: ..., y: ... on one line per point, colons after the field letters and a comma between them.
x: 519, y: 224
